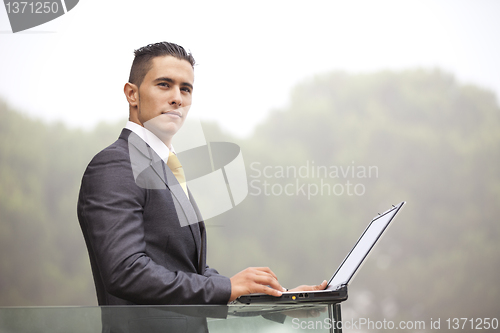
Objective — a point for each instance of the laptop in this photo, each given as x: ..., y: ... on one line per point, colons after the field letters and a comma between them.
x: 336, y: 290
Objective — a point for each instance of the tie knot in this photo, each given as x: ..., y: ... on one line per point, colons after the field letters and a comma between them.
x: 173, y: 162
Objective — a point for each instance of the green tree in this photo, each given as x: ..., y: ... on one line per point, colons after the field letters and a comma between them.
x: 429, y: 139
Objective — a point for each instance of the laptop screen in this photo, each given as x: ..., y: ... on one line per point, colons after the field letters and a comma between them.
x: 365, y: 243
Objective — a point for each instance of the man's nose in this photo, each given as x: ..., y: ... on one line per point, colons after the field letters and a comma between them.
x: 175, y: 97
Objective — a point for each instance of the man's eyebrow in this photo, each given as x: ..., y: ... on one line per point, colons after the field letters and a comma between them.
x: 172, y: 81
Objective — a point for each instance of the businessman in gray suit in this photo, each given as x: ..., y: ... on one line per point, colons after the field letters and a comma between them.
x: 144, y: 233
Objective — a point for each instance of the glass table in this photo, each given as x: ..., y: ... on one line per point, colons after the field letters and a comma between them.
x: 152, y: 319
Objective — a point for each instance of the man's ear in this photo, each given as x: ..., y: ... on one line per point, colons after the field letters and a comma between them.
x: 132, y: 93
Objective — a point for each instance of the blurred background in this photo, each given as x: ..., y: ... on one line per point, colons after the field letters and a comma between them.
x: 371, y: 103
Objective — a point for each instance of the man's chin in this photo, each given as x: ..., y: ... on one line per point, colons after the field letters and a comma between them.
x: 163, y: 130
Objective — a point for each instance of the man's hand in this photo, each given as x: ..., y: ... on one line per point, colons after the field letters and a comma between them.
x: 310, y: 288
x: 255, y: 280
x: 306, y: 313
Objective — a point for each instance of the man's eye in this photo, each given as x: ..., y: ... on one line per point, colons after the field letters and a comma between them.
x: 163, y: 84
x: 186, y: 90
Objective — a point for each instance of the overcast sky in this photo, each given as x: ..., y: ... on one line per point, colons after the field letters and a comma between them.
x: 249, y: 54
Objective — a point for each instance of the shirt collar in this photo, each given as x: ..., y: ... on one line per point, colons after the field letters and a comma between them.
x: 152, y: 140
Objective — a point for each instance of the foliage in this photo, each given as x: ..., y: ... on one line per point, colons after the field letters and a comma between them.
x: 431, y: 140
x: 43, y: 258
x: 435, y: 144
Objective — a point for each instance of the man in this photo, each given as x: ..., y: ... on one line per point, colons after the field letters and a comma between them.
x: 143, y: 231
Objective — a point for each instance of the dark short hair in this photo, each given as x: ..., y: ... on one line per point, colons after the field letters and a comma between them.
x: 143, y: 56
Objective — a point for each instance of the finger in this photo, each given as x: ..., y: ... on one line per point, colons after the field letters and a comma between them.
x: 321, y: 286
x: 268, y: 280
x: 265, y: 276
x: 271, y: 291
x: 276, y: 285
x: 266, y: 270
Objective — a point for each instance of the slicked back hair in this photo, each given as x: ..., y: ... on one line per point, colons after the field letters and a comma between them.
x: 143, y: 59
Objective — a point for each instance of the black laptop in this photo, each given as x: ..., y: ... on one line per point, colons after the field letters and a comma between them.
x: 336, y: 290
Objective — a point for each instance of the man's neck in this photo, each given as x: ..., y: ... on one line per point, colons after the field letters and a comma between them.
x: 160, y: 147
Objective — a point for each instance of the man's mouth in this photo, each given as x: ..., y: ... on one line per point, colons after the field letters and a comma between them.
x: 173, y: 112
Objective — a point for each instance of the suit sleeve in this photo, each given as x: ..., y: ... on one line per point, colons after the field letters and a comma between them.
x: 110, y: 211
x: 210, y: 272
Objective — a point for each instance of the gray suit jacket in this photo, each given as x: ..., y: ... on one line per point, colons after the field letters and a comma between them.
x: 142, y: 232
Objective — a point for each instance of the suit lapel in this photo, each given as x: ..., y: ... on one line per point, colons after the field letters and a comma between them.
x: 190, y: 217
x: 203, y: 247
x: 187, y: 214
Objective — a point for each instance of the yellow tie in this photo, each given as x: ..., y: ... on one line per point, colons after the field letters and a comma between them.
x: 176, y: 167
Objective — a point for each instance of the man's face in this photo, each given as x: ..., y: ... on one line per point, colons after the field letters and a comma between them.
x: 164, y: 97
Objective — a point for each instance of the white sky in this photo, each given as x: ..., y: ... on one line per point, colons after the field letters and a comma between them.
x: 249, y: 54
